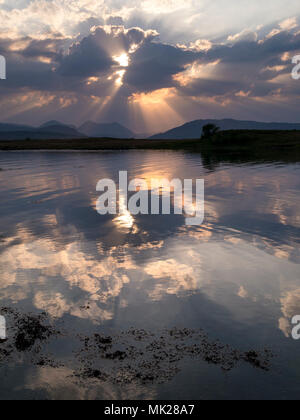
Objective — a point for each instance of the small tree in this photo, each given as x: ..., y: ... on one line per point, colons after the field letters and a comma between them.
x: 209, y: 130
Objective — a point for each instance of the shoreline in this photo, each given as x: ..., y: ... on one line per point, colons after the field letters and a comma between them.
x: 245, y: 141
x: 99, y: 144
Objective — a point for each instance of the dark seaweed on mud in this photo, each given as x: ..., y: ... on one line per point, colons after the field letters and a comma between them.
x: 133, y: 356
x: 26, y: 334
x: 141, y: 356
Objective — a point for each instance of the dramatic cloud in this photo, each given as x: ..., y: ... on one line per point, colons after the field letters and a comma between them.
x: 154, y: 65
x: 148, y: 65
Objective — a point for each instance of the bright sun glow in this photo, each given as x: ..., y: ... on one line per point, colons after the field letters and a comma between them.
x: 119, y: 79
x: 122, y: 59
x: 149, y: 107
x: 125, y: 220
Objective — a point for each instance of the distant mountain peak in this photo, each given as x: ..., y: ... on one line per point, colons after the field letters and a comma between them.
x: 115, y: 130
x: 52, y: 123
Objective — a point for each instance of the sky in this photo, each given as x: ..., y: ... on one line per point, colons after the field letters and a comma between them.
x: 151, y: 64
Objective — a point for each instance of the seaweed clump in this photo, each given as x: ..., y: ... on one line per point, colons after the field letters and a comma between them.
x: 145, y: 357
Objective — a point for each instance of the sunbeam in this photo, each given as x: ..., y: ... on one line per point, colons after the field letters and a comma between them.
x: 152, y: 106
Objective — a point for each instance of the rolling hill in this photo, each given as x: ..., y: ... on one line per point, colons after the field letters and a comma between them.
x: 193, y: 129
x: 49, y: 130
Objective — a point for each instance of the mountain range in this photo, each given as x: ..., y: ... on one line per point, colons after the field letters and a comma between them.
x: 193, y: 129
x: 57, y: 130
x: 50, y: 130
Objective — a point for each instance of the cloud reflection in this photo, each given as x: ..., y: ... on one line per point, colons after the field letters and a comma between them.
x: 57, y: 254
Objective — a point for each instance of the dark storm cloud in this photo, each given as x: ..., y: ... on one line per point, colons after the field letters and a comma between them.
x: 244, y: 67
x: 47, y: 48
x: 85, y: 59
x: 248, y: 66
x: 34, y: 75
x: 29, y: 63
x: 48, y: 65
x: 94, y: 54
x: 256, y: 51
x: 211, y: 87
x: 154, y: 65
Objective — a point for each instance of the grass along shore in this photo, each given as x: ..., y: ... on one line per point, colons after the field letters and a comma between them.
x: 224, y: 141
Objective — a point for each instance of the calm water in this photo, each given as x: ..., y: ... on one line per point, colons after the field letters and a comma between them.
x: 237, y: 277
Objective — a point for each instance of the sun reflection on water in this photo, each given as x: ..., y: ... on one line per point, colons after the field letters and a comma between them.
x: 124, y: 220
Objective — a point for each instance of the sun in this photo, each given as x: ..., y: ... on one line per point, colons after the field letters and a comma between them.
x: 120, y: 76
x: 122, y: 60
